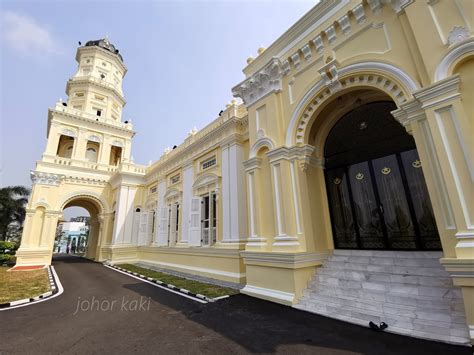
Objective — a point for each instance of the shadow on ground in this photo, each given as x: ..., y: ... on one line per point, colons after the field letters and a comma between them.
x: 262, y: 326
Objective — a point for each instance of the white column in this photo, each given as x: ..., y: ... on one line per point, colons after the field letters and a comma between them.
x: 233, y: 197
x: 188, y: 177
x: 124, y: 215
x: 160, y: 203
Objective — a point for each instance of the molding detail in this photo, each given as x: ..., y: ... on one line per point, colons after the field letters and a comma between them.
x: 206, y: 180
x: 117, y: 143
x: 375, y: 74
x: 306, y: 52
x: 69, y: 133
x: 46, y: 178
x: 318, y: 43
x: 260, y: 143
x: 455, y: 53
x: 457, y: 34
x: 359, y: 14
x: 265, y: 81
x: 295, y: 58
x: 94, y: 138
x: 345, y: 24
x: 331, y: 34
x: 172, y: 193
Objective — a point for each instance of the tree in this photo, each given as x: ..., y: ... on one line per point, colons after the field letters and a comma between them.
x: 13, y: 200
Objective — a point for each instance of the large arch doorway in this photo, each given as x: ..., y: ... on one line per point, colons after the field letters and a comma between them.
x: 89, y: 247
x: 375, y: 185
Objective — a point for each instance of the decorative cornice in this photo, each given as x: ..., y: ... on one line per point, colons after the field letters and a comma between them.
x: 88, y: 80
x: 189, y: 150
x: 67, y: 114
x: 386, y: 77
x: 41, y: 178
x: 456, y: 52
x: 252, y: 163
x: 458, y: 34
x: 459, y: 268
x: 259, y: 144
x: 260, y: 84
x: 439, y: 92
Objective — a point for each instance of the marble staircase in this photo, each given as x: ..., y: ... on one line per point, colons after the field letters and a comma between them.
x: 410, y: 291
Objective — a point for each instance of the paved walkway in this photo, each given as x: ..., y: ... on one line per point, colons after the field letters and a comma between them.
x: 168, y: 323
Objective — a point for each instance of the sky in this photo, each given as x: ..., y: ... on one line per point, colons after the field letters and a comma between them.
x: 183, y: 58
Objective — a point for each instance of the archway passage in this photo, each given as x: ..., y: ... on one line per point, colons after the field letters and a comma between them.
x: 90, y: 247
x: 376, y: 189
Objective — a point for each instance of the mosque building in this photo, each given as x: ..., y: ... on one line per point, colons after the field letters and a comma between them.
x: 339, y: 181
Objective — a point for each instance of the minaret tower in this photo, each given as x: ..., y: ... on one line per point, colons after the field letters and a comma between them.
x: 88, y: 127
x: 87, y: 152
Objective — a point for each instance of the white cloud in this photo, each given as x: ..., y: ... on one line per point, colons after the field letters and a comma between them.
x: 23, y: 34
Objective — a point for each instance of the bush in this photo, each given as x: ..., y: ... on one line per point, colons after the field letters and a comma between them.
x: 8, y: 248
x: 7, y: 259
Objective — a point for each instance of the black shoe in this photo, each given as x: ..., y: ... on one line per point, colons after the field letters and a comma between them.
x: 373, y: 326
x: 383, y: 325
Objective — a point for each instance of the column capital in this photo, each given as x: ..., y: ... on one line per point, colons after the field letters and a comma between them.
x: 252, y: 164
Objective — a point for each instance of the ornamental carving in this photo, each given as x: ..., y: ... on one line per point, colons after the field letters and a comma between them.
x: 266, y: 80
x: 457, y: 34
x: 46, y: 178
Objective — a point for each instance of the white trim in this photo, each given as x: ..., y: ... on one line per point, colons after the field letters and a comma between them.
x: 251, y: 188
x: 296, y: 201
x: 434, y: 165
x: 408, y: 83
x: 459, y: 50
x: 194, y: 270
x: 276, y: 191
x: 157, y: 285
x: 260, y: 143
x: 60, y: 292
x: 314, y: 26
x: 449, y: 154
x: 206, y: 180
x: 275, y: 295
x: 103, y: 205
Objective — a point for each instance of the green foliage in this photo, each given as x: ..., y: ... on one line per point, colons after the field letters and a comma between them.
x: 191, y: 285
x: 13, y: 200
x: 8, y: 247
x: 7, y: 259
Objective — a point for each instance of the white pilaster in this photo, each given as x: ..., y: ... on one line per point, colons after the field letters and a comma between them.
x: 234, y: 204
x: 188, y: 177
x: 160, y: 203
x: 124, y: 215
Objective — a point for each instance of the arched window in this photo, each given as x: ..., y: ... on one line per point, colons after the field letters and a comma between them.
x: 92, y: 151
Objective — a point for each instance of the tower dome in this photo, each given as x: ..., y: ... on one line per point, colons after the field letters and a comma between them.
x: 105, y: 44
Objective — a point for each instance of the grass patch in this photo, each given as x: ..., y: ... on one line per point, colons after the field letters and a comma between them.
x: 17, y: 285
x: 208, y: 290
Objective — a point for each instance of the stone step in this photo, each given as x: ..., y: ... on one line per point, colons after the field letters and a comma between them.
x: 390, y: 254
x: 388, y: 269
x: 393, y: 310
x: 358, y: 275
x: 438, y: 327
x: 383, y: 283
x: 456, y: 339
x: 386, y: 261
x: 391, y: 288
x: 401, y: 302
x: 410, y: 291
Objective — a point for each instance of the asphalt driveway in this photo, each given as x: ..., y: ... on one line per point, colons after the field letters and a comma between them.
x: 103, y: 311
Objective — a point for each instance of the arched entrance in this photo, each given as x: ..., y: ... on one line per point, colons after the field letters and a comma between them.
x: 95, y: 209
x: 375, y: 185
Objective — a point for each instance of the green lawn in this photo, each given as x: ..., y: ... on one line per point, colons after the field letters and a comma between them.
x: 208, y: 290
x: 17, y: 285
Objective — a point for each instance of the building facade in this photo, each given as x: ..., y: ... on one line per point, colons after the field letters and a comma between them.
x: 351, y: 149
